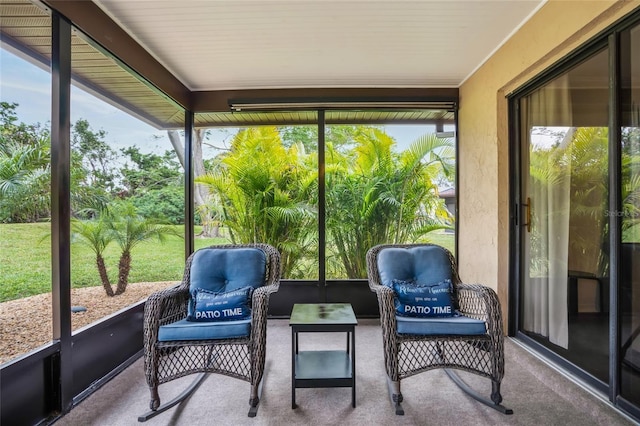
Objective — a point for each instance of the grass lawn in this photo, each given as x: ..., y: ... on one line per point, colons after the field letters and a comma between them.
x: 25, y: 261
x: 444, y: 239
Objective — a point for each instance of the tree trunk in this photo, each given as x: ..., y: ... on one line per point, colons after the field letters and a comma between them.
x: 174, y: 137
x: 201, y: 196
x: 124, y: 266
x: 102, y: 270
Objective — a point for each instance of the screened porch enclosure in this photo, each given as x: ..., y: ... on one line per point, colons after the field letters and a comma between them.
x: 417, y: 145
x: 163, y: 169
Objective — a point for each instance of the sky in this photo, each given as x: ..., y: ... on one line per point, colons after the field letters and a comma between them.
x: 30, y: 87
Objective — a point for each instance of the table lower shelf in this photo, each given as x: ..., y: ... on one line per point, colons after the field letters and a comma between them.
x: 323, y: 369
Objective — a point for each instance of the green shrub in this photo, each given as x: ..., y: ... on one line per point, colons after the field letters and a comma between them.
x: 162, y: 205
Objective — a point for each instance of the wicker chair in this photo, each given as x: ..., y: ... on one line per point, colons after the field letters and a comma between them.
x: 415, y: 345
x: 175, y: 347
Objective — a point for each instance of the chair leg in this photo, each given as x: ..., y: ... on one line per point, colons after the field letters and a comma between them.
x: 495, y: 393
x: 155, y: 399
x: 397, y: 402
x: 254, y: 399
x: 253, y: 402
x: 396, y: 395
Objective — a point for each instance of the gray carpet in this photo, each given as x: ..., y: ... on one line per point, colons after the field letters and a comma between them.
x: 538, y: 394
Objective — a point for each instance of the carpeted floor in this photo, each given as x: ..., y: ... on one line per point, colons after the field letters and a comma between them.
x: 538, y: 394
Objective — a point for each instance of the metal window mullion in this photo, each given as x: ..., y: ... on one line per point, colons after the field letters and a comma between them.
x: 615, y: 205
x: 456, y: 183
x: 322, y: 239
x: 61, y: 205
x: 516, y: 273
x: 188, y: 184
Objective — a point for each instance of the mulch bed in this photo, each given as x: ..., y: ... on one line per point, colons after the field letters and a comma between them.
x: 27, y: 323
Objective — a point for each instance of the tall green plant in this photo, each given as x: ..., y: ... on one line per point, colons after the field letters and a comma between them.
x: 421, y: 209
x: 267, y: 194
x: 24, y: 168
x: 25, y: 173
x: 376, y: 196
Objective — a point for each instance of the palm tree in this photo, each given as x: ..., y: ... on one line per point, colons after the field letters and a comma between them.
x: 24, y: 179
x: 375, y: 196
x: 122, y: 224
x: 25, y: 173
x: 267, y: 194
x: 129, y: 229
x: 95, y: 235
x: 421, y: 209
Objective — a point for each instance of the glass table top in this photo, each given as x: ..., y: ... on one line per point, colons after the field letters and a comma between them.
x: 322, y: 313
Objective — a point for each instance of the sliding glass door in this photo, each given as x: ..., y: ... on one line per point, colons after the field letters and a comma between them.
x: 578, y: 214
x: 565, y: 240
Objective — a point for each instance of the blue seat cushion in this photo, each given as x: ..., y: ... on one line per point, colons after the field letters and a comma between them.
x: 458, y: 325
x: 189, y: 330
x: 221, y: 270
x: 421, y: 264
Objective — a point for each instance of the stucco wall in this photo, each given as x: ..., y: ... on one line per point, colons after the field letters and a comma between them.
x: 554, y: 31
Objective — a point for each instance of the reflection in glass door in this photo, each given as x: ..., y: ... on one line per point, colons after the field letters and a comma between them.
x: 565, y: 276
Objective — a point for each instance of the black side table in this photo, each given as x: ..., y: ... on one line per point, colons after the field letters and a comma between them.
x: 323, y: 369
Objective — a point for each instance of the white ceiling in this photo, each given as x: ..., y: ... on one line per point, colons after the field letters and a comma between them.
x: 241, y: 44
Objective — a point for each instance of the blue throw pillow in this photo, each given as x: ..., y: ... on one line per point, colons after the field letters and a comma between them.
x: 227, y: 306
x: 423, y: 300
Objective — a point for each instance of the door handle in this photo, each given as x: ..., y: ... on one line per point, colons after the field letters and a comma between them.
x: 527, y: 205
